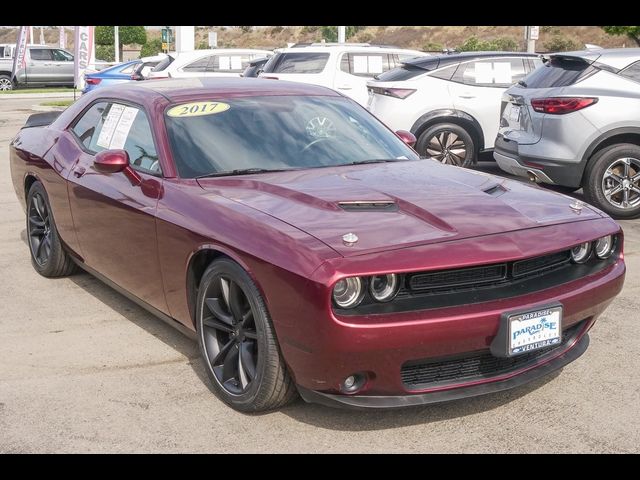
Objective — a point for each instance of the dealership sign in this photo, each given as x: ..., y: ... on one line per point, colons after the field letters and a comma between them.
x: 84, y: 54
x: 19, y: 58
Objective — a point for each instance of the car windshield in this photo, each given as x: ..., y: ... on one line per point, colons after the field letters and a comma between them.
x: 261, y: 133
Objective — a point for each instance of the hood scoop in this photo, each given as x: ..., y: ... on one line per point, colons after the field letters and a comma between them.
x: 495, y: 190
x: 369, y: 206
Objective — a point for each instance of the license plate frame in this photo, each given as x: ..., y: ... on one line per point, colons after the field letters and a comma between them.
x: 528, y: 330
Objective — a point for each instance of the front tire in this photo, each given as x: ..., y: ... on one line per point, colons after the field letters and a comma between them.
x: 238, y: 343
x: 612, y: 180
x: 48, y: 256
x: 447, y: 143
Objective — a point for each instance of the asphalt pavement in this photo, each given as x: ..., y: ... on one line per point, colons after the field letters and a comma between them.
x: 84, y: 369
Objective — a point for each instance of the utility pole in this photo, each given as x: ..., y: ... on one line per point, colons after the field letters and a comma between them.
x: 116, y: 40
x: 31, y: 40
x: 531, y: 34
x: 341, y: 34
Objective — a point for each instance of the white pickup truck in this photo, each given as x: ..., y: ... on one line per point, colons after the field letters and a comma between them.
x: 44, y: 66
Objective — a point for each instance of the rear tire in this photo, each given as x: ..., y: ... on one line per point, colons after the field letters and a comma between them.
x: 612, y: 180
x: 237, y: 341
x: 447, y: 143
x: 5, y: 83
x: 48, y: 256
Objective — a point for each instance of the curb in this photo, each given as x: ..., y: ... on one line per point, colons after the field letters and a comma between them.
x: 7, y: 96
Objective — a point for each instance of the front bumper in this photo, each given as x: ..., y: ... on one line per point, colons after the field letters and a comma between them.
x: 565, y: 357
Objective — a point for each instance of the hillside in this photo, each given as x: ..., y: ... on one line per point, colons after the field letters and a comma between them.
x: 417, y: 37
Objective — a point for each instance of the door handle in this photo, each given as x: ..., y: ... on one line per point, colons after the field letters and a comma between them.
x: 344, y: 87
x: 79, y: 171
x: 467, y: 96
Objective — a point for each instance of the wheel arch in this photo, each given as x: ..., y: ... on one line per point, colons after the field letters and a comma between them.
x: 198, y: 262
x: 451, y: 115
x: 29, y: 179
x: 612, y: 137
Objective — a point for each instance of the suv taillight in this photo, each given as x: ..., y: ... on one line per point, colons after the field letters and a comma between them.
x: 400, y: 93
x: 561, y: 105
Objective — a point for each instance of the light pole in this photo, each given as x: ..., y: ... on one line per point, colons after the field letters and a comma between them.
x: 341, y: 34
x: 116, y: 40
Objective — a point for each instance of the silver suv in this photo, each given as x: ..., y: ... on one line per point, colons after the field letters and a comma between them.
x: 575, y: 122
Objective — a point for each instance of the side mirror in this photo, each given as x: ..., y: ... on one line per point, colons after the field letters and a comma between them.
x: 115, y: 161
x: 407, y: 137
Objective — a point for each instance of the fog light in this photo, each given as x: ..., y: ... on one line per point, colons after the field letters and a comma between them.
x: 580, y: 253
x: 604, y: 247
x: 353, y: 383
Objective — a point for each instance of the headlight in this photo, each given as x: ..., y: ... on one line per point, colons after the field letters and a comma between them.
x: 384, y: 287
x: 580, y: 253
x: 604, y: 247
x: 347, y: 293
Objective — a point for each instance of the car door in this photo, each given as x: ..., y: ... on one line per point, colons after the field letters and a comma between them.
x: 39, y: 65
x: 62, y: 67
x: 113, y: 215
x: 477, y: 87
x: 355, y: 69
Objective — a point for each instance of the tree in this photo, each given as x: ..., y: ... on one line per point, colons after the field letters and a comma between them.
x: 151, y: 48
x: 330, y: 34
x: 632, y: 32
x: 126, y: 35
x: 474, y: 44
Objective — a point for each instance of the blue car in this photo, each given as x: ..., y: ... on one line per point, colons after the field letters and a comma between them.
x: 121, y: 73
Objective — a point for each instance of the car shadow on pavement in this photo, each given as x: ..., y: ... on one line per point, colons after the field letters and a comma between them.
x: 360, y: 420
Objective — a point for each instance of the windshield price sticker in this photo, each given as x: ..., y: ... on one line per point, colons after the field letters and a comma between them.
x: 197, y: 109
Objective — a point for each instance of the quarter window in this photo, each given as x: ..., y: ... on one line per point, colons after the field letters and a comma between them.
x: 201, y: 65
x: 302, y: 62
x: 231, y: 63
x: 632, y: 72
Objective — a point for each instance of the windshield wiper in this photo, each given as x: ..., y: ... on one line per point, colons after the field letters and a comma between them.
x: 240, y: 171
x: 376, y: 160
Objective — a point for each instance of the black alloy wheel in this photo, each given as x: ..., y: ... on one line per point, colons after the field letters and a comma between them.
x: 48, y: 255
x: 237, y: 341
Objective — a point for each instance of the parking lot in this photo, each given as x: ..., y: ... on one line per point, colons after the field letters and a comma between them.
x: 86, y: 370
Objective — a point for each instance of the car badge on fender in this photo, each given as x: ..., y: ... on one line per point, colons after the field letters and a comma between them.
x: 350, y: 239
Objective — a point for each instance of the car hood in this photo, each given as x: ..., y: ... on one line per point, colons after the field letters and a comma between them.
x: 396, y: 205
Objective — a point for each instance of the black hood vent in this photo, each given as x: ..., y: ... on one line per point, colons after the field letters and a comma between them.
x: 369, y: 206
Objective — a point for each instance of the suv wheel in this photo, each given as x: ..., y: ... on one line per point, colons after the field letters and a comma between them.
x: 612, y: 180
x: 447, y: 143
x: 5, y: 83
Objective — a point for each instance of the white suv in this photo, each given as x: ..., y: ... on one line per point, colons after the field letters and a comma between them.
x: 220, y: 62
x: 451, y: 103
x: 344, y: 67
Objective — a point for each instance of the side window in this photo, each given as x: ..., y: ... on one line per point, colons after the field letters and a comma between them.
x: 363, y: 65
x: 491, y: 72
x: 632, y: 72
x: 445, y: 73
x: 198, y: 66
x: 535, y: 63
x: 40, y: 54
x: 112, y: 126
x: 230, y: 63
x: 86, y: 128
x: 298, y: 62
x: 62, y: 56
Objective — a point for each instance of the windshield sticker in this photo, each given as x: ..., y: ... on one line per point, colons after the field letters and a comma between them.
x: 197, y: 109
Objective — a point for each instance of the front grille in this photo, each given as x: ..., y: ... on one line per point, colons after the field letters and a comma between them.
x: 539, y: 264
x: 473, y: 366
x: 458, y: 278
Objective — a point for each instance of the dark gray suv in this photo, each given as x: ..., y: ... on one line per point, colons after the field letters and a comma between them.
x: 575, y: 122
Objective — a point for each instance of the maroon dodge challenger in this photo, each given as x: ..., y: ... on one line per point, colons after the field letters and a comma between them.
x: 308, y: 248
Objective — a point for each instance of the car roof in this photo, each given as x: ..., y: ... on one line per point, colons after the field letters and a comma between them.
x: 443, y: 60
x: 344, y: 47
x: 614, y: 57
x: 184, y: 89
x: 212, y: 51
